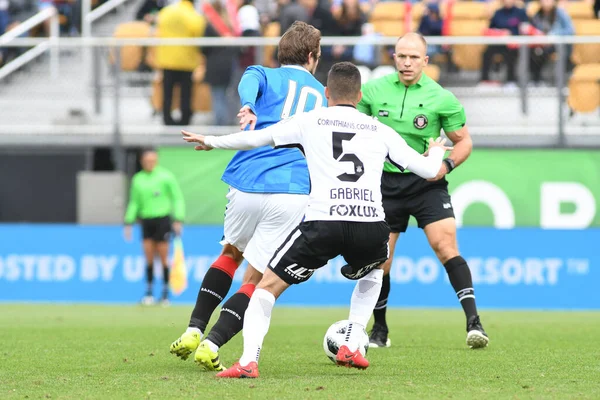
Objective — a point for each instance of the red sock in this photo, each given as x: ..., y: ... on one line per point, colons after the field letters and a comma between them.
x: 225, y: 264
x: 247, y: 289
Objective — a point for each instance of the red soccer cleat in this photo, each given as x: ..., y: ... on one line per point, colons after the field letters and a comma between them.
x: 237, y: 371
x: 350, y: 359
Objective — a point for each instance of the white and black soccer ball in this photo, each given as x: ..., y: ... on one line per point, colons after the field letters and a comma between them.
x: 336, y: 336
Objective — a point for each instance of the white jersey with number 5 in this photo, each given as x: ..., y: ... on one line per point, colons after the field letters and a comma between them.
x: 345, y: 151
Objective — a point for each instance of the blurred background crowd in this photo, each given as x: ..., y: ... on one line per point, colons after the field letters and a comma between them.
x: 219, y: 68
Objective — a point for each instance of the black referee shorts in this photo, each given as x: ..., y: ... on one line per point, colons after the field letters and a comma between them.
x: 406, y: 194
x: 313, y: 243
x: 157, y: 229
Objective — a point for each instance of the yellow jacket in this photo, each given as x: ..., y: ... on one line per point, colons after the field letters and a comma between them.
x: 179, y: 20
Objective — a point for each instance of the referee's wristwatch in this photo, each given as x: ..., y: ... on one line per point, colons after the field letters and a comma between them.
x: 450, y: 165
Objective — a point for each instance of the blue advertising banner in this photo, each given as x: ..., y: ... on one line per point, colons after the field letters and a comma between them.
x: 516, y: 268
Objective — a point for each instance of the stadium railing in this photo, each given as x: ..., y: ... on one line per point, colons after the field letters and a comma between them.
x: 110, y: 86
x: 39, y: 48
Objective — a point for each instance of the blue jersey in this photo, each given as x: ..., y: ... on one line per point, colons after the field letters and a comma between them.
x: 274, y: 94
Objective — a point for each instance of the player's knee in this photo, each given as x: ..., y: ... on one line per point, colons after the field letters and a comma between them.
x: 445, y: 250
x: 233, y: 253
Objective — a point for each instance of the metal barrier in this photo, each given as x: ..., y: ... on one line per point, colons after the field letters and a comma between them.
x: 9, y: 38
x: 111, y: 84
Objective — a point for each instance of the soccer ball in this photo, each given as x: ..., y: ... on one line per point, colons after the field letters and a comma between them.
x: 335, y: 337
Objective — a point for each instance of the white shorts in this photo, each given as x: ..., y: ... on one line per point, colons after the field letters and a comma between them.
x: 258, y: 223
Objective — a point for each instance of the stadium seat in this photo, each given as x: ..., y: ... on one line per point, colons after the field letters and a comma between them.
x: 417, y: 11
x: 432, y: 71
x: 578, y: 9
x: 584, y: 88
x: 273, y: 29
x: 390, y: 28
x: 131, y: 56
x: 468, y: 57
x: 586, y: 53
x: 392, y: 10
x: 462, y: 10
x: 365, y: 73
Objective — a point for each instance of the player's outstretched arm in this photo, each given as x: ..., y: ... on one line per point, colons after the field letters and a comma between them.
x: 236, y: 141
x: 405, y: 157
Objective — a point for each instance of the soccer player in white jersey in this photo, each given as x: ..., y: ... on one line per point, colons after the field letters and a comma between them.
x: 268, y: 191
x: 345, y: 151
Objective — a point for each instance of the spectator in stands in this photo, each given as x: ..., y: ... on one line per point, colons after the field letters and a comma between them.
x: 149, y: 9
x: 551, y: 20
x: 300, y: 10
x: 431, y: 25
x: 507, y: 20
x: 268, y: 10
x: 4, y: 21
x: 220, y: 62
x: 337, y: 7
x: 64, y: 8
x: 249, y: 20
x: 366, y: 53
x: 4, y: 16
x: 348, y: 23
x: 179, y: 20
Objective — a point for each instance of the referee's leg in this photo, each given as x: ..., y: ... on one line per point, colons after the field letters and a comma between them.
x: 149, y: 246
x: 442, y: 239
x: 379, y: 334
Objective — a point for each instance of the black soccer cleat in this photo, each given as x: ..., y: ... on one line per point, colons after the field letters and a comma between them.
x: 476, y: 336
x: 379, y: 337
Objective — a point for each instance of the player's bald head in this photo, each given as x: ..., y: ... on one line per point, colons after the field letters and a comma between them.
x: 412, y: 40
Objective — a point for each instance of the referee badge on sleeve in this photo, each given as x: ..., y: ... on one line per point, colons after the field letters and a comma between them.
x: 420, y: 121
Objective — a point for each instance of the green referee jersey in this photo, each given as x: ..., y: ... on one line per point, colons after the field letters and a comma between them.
x: 153, y: 195
x: 417, y: 112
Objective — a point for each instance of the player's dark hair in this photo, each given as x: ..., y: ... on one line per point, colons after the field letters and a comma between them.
x: 297, y: 42
x: 343, y: 81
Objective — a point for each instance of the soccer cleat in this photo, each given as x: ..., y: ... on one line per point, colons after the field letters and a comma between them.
x: 147, y: 300
x: 185, y: 345
x: 237, y: 371
x: 207, y: 358
x: 164, y: 301
x: 476, y: 336
x: 350, y: 359
x: 379, y: 337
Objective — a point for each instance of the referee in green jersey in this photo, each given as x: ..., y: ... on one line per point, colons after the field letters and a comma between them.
x: 416, y: 107
x: 154, y: 198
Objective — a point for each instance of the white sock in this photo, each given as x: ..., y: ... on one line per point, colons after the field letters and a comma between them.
x: 364, y: 298
x: 194, y: 329
x: 256, y: 324
x: 212, y: 346
x: 353, y: 333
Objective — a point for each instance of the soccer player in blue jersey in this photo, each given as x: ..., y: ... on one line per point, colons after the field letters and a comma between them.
x: 268, y: 192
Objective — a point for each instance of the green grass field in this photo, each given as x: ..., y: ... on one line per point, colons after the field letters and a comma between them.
x: 122, y: 352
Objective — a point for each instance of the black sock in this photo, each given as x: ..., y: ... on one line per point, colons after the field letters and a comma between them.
x: 215, y: 286
x: 165, y: 293
x: 460, y: 278
x: 166, y: 274
x: 231, y: 319
x: 381, y: 306
x: 149, y: 278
